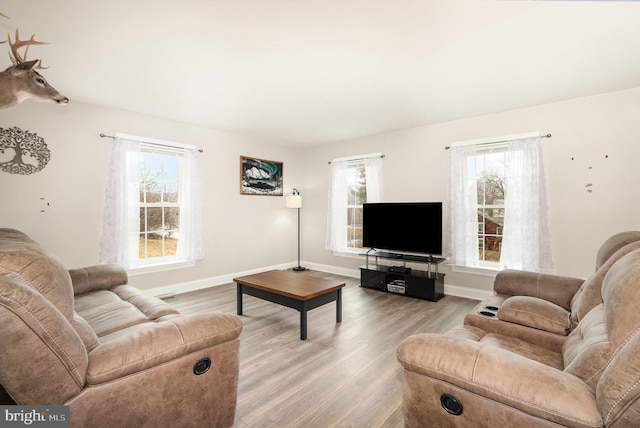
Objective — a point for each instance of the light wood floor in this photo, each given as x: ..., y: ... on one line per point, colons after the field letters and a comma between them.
x: 343, y: 375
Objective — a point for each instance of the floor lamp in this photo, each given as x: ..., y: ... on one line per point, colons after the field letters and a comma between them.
x: 295, y: 201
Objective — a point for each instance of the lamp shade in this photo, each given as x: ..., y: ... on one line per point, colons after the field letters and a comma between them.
x: 293, y: 201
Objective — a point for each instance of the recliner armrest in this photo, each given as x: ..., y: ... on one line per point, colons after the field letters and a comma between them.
x: 535, y: 313
x: 553, y: 288
x: 99, y: 277
x: 161, y: 342
x: 498, y: 375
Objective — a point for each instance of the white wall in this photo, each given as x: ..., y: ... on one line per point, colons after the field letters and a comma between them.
x: 245, y: 233
x: 242, y: 232
x: 600, y: 133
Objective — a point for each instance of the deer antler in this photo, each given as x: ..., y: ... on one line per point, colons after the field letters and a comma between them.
x: 15, y: 56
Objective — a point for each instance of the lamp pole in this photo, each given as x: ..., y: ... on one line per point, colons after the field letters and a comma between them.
x: 299, y: 268
x: 295, y: 201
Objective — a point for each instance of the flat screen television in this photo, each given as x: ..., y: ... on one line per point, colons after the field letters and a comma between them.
x: 412, y: 227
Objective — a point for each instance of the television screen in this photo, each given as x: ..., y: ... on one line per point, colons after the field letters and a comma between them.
x: 414, y: 227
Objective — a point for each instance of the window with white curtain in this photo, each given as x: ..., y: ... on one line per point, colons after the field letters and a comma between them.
x: 353, y: 182
x: 153, y: 204
x: 497, y: 205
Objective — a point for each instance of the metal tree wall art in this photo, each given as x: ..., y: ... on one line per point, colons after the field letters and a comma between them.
x: 21, y: 81
x: 22, y: 152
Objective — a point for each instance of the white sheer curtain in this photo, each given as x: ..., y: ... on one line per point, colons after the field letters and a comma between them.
x: 190, y: 245
x: 462, y: 232
x: 120, y: 241
x: 373, y: 171
x: 526, y: 240
x: 336, y: 237
x: 120, y: 224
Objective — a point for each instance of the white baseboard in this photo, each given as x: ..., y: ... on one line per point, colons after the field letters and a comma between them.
x: 336, y: 270
x: 184, y: 287
x: 466, y: 292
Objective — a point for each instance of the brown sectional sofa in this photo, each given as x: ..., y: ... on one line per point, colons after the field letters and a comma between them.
x: 568, y: 355
x: 116, y: 357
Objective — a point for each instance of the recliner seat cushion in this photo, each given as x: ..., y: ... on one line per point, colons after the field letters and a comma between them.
x: 516, y: 346
x: 121, y: 307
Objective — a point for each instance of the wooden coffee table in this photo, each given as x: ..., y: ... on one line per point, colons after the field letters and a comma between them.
x: 292, y: 289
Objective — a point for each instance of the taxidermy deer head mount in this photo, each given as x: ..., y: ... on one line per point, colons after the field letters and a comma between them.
x: 21, y: 81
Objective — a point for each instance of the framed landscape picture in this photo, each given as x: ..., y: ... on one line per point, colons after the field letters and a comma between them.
x: 260, y: 177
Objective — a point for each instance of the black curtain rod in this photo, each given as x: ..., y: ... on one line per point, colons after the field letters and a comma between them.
x: 165, y: 145
x: 498, y: 142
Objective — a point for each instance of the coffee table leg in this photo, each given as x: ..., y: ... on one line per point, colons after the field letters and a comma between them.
x: 339, y: 306
x: 239, y: 298
x: 303, y: 324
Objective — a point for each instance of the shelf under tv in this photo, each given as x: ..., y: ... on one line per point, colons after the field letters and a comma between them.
x: 421, y: 284
x: 429, y: 260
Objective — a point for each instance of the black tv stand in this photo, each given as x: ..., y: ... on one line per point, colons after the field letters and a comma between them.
x: 427, y: 285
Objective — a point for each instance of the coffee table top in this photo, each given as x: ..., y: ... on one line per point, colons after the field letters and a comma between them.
x: 291, y: 284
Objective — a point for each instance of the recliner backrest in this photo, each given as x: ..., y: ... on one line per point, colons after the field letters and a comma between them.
x: 24, y: 259
x: 618, y: 390
x: 604, y: 350
x: 590, y: 293
x: 613, y: 244
x: 42, y: 358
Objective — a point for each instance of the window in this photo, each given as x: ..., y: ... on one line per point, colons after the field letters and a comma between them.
x: 153, y: 204
x: 490, y: 169
x: 354, y: 181
x: 159, y: 204
x: 356, y: 196
x: 497, y: 205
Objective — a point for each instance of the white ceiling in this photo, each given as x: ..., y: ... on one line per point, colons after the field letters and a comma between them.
x: 306, y: 72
